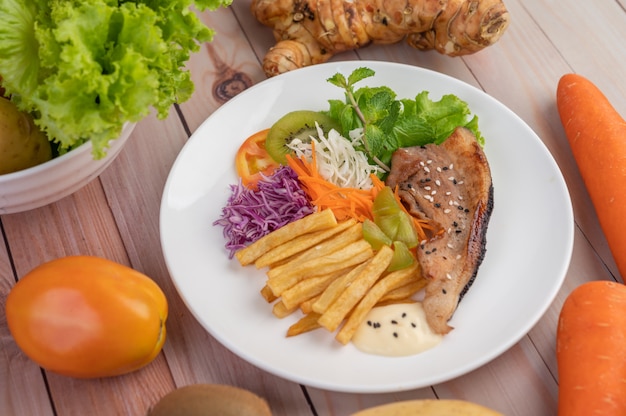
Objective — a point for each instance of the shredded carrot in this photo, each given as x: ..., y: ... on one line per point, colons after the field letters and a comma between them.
x: 344, y: 202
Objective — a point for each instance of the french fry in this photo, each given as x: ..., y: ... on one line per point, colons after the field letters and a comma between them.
x: 395, y: 301
x: 385, y: 284
x: 405, y: 291
x: 306, y: 307
x: 305, y: 324
x: 299, y: 244
x: 280, y: 310
x: 282, y: 278
x: 314, y: 222
x: 335, y: 314
x: 308, y: 288
x: 329, y: 246
x: 329, y: 272
x: 267, y: 294
x: 333, y: 290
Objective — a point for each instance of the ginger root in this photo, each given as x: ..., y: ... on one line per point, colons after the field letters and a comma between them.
x: 312, y: 31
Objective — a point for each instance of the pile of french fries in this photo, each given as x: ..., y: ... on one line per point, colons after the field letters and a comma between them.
x: 327, y: 271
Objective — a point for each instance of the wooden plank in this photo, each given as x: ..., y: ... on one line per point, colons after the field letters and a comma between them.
x: 590, y: 37
x: 516, y: 384
x: 221, y: 69
x: 594, y: 54
x: 586, y: 265
x: 334, y: 403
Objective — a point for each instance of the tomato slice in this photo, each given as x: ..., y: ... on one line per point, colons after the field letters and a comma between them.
x: 252, y: 160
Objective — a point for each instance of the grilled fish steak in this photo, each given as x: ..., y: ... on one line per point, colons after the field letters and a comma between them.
x: 450, y: 186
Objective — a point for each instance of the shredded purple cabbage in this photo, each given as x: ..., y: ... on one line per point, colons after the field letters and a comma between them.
x: 249, y: 214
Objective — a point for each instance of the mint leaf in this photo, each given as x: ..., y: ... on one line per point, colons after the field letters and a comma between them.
x: 339, y: 80
x: 360, y: 74
x: 375, y: 103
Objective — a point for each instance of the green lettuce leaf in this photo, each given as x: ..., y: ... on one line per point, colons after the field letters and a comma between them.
x: 84, y: 68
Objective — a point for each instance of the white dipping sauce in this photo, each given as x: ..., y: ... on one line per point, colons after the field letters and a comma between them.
x: 395, y: 330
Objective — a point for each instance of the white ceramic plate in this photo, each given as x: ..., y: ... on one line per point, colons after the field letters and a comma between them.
x: 529, y: 241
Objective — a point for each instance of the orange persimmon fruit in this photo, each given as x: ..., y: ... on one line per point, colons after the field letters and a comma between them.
x: 87, y: 317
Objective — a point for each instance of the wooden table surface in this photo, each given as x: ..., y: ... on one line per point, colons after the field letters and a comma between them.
x: 117, y: 216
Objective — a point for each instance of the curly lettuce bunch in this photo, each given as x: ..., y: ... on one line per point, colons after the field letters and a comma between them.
x: 84, y: 68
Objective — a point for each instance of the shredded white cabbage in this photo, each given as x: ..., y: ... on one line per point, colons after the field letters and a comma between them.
x: 337, y: 159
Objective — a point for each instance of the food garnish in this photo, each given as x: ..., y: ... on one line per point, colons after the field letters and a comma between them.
x: 344, y: 202
x: 253, y: 213
x: 337, y: 159
x: 252, y: 161
x: 296, y: 125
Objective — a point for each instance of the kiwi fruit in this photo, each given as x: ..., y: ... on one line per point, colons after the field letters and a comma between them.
x: 296, y: 124
x: 210, y: 400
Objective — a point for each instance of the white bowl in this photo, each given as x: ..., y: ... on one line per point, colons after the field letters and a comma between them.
x: 46, y: 183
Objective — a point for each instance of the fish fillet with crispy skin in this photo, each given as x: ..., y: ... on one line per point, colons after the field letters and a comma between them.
x: 450, y: 186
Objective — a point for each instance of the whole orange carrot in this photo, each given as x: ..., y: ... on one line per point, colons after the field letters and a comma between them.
x: 597, y: 136
x: 591, y: 351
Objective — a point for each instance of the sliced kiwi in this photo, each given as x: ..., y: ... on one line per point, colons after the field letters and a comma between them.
x: 296, y: 124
